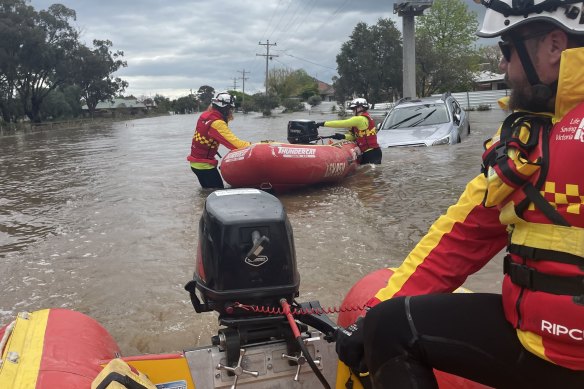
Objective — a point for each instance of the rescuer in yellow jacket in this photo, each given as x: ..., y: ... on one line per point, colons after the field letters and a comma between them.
x: 361, y: 130
x: 211, y: 131
x: 530, y: 199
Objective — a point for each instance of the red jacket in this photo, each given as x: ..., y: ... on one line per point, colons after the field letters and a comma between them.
x: 544, y: 271
x: 366, y: 139
x: 210, y: 132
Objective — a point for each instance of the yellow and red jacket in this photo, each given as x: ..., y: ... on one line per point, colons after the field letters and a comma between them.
x: 362, y: 130
x: 210, y: 132
x: 543, y: 287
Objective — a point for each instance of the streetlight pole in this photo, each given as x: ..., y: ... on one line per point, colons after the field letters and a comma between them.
x: 408, y: 10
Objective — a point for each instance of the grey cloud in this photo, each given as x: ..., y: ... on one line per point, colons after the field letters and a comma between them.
x: 183, y: 44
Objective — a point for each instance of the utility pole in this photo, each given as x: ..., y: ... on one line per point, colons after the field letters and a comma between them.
x: 408, y: 10
x: 268, y: 56
x: 234, y: 84
x: 243, y: 78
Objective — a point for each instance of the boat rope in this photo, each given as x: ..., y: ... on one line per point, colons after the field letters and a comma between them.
x: 5, y: 337
x: 298, y: 310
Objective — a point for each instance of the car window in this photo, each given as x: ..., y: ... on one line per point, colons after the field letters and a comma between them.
x: 415, y: 116
x: 455, y: 107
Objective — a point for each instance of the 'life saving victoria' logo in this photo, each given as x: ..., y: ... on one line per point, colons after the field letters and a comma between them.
x: 572, y: 130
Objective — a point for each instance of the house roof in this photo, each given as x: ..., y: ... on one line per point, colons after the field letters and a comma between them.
x: 324, y: 88
x: 486, y: 76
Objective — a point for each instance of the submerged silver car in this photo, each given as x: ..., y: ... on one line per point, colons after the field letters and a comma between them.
x: 428, y: 121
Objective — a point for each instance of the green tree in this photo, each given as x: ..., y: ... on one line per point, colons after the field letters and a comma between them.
x: 205, y: 94
x: 44, y: 57
x: 286, y: 83
x: 369, y: 64
x: 489, y: 58
x: 94, y: 72
x: 16, y: 26
x: 186, y: 104
x: 314, y: 100
x: 264, y: 103
x: 444, y: 56
x: 163, y: 104
x: 62, y: 103
x: 240, y: 98
x: 292, y: 104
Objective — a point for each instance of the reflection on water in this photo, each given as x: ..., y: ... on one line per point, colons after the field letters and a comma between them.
x: 104, y: 220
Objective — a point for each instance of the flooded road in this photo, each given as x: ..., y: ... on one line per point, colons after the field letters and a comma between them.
x: 104, y: 220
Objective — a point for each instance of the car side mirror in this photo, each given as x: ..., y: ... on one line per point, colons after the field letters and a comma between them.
x: 457, y: 118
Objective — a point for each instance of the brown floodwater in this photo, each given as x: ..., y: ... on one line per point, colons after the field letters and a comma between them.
x: 104, y: 220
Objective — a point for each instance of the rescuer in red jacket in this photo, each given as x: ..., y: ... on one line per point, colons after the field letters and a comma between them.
x: 211, y: 131
x: 361, y: 130
x: 529, y: 198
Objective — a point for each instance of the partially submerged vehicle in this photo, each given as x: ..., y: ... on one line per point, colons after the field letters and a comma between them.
x: 429, y: 121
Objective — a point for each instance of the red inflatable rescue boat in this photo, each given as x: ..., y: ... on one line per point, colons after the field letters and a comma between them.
x: 366, y: 288
x: 282, y: 167
x: 53, y: 348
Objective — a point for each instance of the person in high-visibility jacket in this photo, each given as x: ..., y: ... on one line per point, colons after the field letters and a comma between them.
x: 211, y: 131
x: 529, y: 199
x: 361, y: 130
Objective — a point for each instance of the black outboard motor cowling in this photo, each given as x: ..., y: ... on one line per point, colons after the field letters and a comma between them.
x: 302, y: 131
x: 246, y: 252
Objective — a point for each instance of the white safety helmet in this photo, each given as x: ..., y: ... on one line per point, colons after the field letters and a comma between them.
x: 359, y: 102
x: 503, y: 15
x: 223, y: 99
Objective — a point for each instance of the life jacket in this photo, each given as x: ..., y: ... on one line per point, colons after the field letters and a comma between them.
x: 534, y: 178
x: 516, y: 164
x: 366, y: 139
x: 204, y: 147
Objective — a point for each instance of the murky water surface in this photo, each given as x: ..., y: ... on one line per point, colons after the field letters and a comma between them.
x: 104, y: 220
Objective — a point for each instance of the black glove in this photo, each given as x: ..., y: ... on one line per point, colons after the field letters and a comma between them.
x: 338, y: 136
x: 349, y: 346
x: 319, y: 124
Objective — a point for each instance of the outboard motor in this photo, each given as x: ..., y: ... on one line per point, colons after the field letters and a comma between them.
x: 246, y: 253
x: 246, y: 258
x: 302, y: 131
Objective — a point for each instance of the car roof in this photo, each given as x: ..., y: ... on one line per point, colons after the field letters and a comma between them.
x: 425, y: 100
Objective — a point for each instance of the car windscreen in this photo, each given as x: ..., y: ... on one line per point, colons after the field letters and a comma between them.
x: 415, y: 116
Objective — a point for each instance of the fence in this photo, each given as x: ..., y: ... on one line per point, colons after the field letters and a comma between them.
x: 473, y: 100
x: 468, y: 100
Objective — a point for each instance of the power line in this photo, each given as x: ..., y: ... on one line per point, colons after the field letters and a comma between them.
x: 280, y: 20
x: 272, y: 18
x: 306, y: 60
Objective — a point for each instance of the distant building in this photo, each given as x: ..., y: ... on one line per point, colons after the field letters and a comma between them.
x: 129, y: 106
x: 326, y: 91
x: 487, y: 80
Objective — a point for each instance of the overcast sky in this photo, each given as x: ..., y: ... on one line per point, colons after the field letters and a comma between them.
x: 177, y: 45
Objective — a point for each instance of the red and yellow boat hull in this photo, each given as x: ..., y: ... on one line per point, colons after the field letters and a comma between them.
x: 283, y: 167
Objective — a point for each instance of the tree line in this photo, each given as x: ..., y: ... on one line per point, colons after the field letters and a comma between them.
x: 370, y: 62
x: 45, y: 70
x: 47, y: 73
